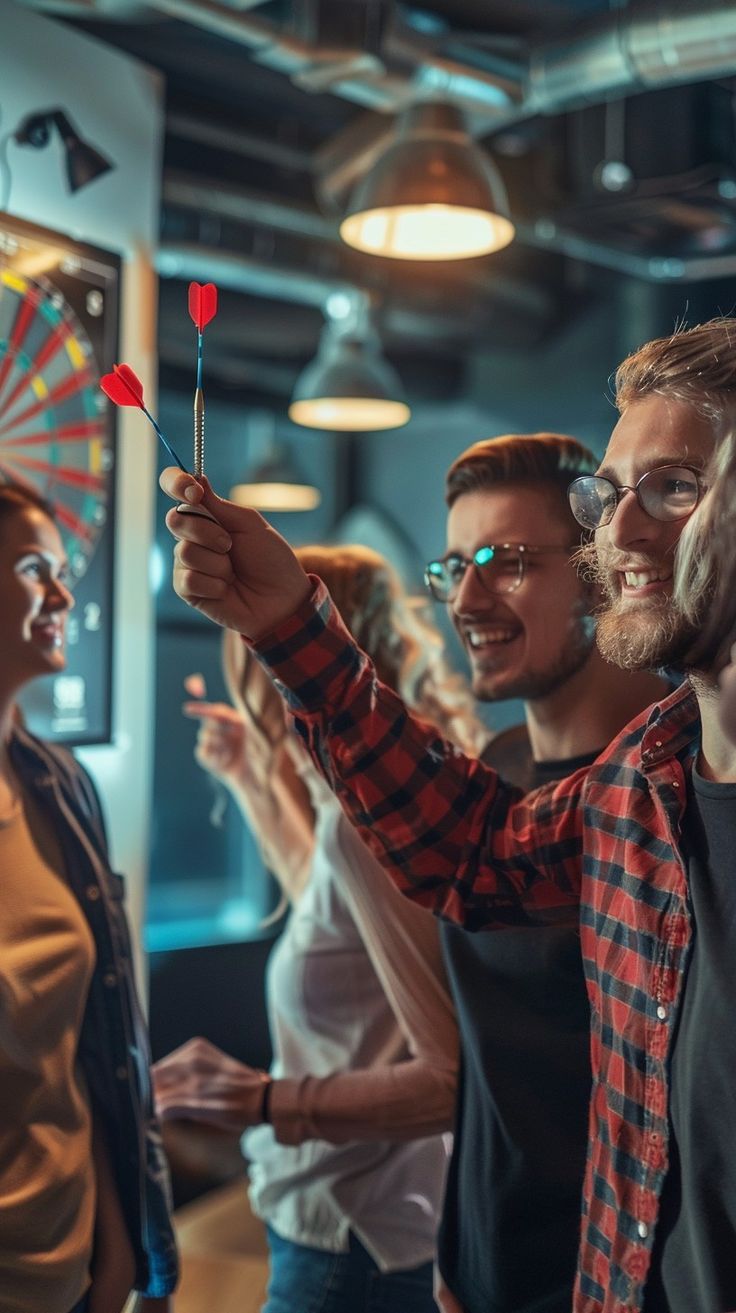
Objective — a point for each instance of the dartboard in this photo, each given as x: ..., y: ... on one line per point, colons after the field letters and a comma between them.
x: 53, y: 430
x: 58, y: 333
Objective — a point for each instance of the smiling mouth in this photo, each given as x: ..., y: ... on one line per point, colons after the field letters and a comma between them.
x: 49, y: 632
x: 640, y: 580
x: 479, y: 640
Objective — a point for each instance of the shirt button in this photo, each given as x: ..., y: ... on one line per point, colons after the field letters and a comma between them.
x: 658, y: 743
x: 643, y: 1230
x: 110, y: 979
x: 662, y: 1012
x: 92, y: 893
x: 121, y: 1073
x: 675, y: 784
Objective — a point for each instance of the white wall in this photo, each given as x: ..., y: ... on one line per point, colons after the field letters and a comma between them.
x: 117, y: 103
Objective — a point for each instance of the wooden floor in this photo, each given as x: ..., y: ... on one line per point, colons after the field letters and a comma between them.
x: 223, y: 1253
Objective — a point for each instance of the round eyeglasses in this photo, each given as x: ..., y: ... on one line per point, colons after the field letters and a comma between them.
x: 499, y: 566
x: 668, y: 493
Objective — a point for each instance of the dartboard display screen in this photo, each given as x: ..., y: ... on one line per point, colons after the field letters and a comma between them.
x: 58, y: 334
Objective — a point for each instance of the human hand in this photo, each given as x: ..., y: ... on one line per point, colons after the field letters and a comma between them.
x: 198, y: 1082
x: 220, y: 746
x: 727, y: 705
x: 239, y: 571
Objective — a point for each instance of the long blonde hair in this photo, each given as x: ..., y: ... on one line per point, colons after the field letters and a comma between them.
x: 705, y: 563
x: 407, y: 651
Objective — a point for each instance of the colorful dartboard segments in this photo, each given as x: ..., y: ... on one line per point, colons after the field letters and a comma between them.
x: 53, y: 433
x: 59, y: 301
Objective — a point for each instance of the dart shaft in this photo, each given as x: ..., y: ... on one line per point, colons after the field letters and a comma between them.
x: 198, y: 433
x: 167, y: 445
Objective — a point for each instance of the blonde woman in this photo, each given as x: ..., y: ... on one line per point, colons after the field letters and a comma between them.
x: 344, y: 1135
x: 704, y: 579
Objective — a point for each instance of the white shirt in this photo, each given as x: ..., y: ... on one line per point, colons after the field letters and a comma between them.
x: 365, y: 1062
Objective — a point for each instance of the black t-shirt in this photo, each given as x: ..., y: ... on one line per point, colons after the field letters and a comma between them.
x: 511, y: 1223
x: 694, y: 1255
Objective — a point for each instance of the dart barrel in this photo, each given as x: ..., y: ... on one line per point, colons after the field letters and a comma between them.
x: 198, y: 433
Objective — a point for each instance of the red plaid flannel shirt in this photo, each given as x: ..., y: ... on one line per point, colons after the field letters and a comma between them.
x: 453, y: 837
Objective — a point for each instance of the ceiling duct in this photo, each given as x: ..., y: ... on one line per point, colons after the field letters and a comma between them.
x: 649, y: 44
x: 407, y: 312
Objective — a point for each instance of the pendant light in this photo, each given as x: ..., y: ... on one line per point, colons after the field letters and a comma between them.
x: 349, y: 386
x: 274, y: 484
x: 432, y: 195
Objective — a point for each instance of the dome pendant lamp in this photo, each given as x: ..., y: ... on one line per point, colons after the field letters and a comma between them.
x: 433, y: 194
x: 275, y: 485
x: 349, y: 387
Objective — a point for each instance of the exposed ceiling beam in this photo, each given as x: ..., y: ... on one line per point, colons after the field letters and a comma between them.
x: 237, y: 141
x: 210, y: 196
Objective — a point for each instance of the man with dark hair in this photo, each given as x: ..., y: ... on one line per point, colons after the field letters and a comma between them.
x: 642, y: 841
x: 511, y: 1219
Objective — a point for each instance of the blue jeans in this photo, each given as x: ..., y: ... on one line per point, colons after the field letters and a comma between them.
x: 305, y: 1280
x: 81, y: 1307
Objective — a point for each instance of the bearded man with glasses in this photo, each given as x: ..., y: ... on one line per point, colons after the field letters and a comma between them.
x: 641, y: 842
x: 525, y: 617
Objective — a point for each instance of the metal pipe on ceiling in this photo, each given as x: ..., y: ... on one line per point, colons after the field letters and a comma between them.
x: 210, y: 196
x: 236, y: 141
x: 651, y: 268
x: 243, y: 273
x: 648, y: 44
x: 352, y: 73
x: 401, y: 315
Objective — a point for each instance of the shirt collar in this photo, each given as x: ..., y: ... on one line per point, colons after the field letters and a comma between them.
x: 672, y: 729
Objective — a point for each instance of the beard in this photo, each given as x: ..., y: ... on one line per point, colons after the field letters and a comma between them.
x: 634, y: 636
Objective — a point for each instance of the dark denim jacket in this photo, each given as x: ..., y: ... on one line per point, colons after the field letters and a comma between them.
x: 113, y: 1043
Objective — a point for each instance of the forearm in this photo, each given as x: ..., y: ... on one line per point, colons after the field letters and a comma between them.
x: 449, y: 833
x: 404, y: 1101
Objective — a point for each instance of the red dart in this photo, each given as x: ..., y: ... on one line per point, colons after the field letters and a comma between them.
x: 202, y: 304
x: 124, y: 387
x: 202, y: 308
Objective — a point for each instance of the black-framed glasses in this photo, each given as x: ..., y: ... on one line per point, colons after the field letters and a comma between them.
x: 669, y: 492
x: 499, y: 566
